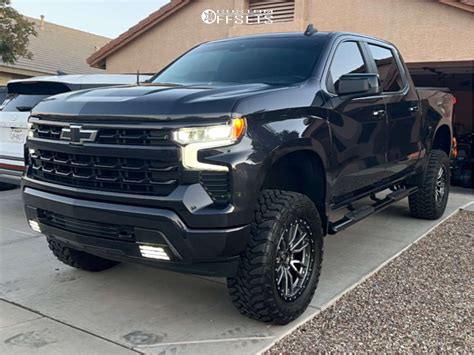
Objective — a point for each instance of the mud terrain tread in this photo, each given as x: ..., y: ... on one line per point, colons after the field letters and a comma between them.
x: 79, y: 259
x: 422, y: 203
x: 251, y: 289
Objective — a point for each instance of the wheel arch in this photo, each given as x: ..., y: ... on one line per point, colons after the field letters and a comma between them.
x: 442, y: 139
x: 302, y: 171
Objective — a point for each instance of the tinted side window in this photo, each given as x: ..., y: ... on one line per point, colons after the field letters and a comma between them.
x: 347, y: 60
x: 387, y: 68
x: 15, y: 102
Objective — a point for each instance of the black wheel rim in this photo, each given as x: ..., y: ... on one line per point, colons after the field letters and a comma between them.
x: 294, y: 259
x: 440, y: 189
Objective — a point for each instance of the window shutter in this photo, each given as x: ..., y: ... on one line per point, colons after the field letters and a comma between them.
x: 282, y: 11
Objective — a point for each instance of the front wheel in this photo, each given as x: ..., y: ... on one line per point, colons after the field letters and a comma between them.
x: 79, y: 259
x: 279, y: 271
x: 431, y: 198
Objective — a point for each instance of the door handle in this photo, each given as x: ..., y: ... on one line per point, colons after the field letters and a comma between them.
x: 378, y: 113
x: 414, y: 108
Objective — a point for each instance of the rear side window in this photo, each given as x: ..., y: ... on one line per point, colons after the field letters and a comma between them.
x: 347, y: 60
x: 387, y: 67
x: 22, y: 103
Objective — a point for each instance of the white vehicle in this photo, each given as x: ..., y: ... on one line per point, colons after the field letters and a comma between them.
x: 22, y: 96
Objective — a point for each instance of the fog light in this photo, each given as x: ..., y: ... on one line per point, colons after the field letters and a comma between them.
x: 151, y: 252
x: 35, y: 226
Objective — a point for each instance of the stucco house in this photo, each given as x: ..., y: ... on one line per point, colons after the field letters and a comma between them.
x: 434, y: 36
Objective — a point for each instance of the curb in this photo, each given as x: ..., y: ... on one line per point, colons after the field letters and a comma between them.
x: 337, y: 297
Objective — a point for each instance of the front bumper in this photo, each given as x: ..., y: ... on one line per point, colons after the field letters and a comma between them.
x: 212, y: 252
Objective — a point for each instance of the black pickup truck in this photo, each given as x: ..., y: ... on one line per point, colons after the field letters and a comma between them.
x: 232, y: 161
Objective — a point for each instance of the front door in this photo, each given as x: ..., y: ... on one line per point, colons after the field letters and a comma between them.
x: 358, y: 129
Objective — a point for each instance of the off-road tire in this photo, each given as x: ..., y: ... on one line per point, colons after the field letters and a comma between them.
x: 254, y: 288
x: 423, y: 202
x: 79, y: 259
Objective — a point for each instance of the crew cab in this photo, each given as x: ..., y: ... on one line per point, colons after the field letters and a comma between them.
x: 236, y: 159
x: 23, y: 95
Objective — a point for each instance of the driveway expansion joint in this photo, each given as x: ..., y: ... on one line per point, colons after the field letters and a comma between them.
x: 205, y: 341
x: 68, y: 325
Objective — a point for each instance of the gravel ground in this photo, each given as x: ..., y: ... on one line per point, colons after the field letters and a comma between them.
x: 422, y: 301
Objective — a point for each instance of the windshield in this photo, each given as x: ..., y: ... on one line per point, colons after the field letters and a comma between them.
x: 272, y: 61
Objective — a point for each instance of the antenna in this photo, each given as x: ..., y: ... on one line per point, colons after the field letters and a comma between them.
x: 138, y: 77
x: 310, y: 30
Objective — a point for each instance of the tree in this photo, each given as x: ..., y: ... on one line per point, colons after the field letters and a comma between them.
x: 15, y: 31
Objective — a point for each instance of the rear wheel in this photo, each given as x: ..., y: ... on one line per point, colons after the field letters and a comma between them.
x: 431, y: 198
x: 279, y: 271
x: 79, y: 259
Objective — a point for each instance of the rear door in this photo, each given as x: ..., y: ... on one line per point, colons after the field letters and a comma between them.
x: 358, y: 128
x: 404, y: 119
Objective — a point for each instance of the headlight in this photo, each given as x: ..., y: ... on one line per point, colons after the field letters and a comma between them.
x: 192, y: 140
x: 226, y: 133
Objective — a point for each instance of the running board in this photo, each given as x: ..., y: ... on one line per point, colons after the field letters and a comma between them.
x: 356, y: 215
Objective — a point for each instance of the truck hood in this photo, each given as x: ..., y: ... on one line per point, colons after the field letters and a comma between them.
x: 151, y: 101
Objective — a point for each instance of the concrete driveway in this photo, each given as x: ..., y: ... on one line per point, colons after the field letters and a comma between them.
x: 49, y: 308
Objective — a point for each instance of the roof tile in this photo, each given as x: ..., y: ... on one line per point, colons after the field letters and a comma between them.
x: 60, y: 48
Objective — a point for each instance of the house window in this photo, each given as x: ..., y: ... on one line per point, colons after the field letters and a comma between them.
x: 282, y: 11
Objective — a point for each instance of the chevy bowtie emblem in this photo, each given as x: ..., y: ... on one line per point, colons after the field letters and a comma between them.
x: 77, y: 135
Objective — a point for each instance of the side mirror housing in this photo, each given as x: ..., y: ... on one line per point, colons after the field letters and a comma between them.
x: 358, y: 85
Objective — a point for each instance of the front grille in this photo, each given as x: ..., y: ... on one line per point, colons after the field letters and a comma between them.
x: 128, y: 175
x: 128, y: 136
x: 158, y: 173
x: 46, y: 131
x: 88, y: 228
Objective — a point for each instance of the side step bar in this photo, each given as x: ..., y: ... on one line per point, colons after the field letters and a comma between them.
x: 356, y: 215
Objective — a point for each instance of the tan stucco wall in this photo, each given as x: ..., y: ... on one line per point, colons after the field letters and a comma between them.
x: 8, y: 72
x: 6, y: 77
x: 423, y: 30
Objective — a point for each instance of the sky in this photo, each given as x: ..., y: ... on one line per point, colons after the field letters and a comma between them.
x: 107, y: 18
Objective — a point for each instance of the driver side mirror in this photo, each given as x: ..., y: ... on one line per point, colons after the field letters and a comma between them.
x: 358, y: 85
